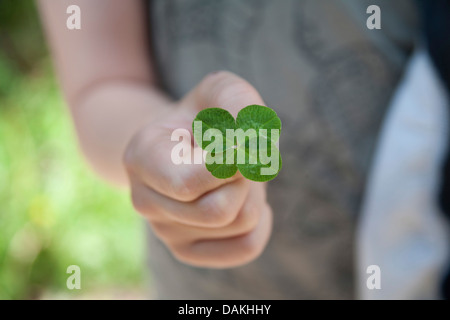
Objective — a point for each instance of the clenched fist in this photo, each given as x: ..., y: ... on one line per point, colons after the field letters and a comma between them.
x: 204, y: 221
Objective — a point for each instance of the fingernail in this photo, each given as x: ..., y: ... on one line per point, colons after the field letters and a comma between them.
x: 213, y: 73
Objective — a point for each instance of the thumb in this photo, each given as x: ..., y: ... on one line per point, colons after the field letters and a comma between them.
x: 224, y: 90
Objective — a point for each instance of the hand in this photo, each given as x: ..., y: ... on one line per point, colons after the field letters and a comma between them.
x: 204, y: 221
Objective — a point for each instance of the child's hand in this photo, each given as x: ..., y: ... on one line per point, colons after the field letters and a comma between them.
x: 204, y: 221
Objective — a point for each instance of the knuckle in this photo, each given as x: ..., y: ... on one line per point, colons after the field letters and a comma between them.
x: 128, y: 159
x: 214, y: 212
x: 138, y: 203
x: 187, y: 188
x: 249, y: 216
x: 138, y: 149
x: 183, y: 254
x: 250, y: 247
x: 163, y: 232
x: 131, y: 157
x: 141, y: 205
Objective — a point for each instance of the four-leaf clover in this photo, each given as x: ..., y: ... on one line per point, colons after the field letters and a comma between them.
x: 250, y: 140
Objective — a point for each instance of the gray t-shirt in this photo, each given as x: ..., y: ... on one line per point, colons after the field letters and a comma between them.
x: 330, y: 79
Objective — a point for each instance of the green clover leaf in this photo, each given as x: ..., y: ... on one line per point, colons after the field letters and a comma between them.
x: 247, y: 144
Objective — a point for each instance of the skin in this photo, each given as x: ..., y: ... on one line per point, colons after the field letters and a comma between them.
x: 124, y: 124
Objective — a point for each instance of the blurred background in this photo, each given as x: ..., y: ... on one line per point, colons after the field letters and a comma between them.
x: 53, y: 211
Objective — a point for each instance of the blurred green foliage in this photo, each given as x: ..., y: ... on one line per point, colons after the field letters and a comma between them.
x: 53, y: 211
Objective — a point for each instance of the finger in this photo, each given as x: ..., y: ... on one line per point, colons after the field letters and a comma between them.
x: 232, y: 252
x: 246, y: 221
x: 213, y: 210
x: 223, y: 90
x: 150, y: 159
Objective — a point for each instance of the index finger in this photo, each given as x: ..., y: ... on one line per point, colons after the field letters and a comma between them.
x: 186, y: 181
